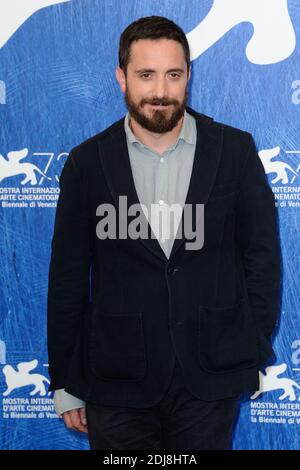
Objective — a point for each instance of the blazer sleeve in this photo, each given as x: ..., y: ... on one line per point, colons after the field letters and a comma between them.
x: 258, y: 241
x: 68, y: 281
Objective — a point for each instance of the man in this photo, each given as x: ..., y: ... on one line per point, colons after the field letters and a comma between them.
x: 152, y: 339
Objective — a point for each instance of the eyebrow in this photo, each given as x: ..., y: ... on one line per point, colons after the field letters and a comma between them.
x: 151, y: 70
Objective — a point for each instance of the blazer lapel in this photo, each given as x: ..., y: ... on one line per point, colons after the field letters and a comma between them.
x: 206, y: 162
x: 117, y: 169
x: 116, y: 165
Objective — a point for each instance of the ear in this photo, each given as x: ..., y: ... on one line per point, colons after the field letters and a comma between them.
x: 120, y: 76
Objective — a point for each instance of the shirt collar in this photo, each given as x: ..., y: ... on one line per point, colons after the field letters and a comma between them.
x: 187, y: 132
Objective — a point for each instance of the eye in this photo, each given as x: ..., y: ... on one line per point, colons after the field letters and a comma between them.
x: 175, y: 75
x: 144, y: 75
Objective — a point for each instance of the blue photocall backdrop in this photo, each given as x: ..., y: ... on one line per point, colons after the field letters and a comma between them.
x: 57, y: 88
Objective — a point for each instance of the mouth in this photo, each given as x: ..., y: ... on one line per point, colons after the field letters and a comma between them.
x: 160, y: 106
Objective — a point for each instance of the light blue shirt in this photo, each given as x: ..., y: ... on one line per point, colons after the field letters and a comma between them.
x: 161, y: 180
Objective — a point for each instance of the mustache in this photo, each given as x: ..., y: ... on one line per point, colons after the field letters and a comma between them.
x: 157, y: 102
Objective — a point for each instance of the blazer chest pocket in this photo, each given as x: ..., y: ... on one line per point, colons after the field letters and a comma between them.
x: 117, y: 347
x: 223, y: 190
x: 227, y: 338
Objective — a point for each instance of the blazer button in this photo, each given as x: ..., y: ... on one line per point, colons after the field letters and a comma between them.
x: 172, y: 270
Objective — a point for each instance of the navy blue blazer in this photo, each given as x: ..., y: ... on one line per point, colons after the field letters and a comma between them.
x: 119, y: 310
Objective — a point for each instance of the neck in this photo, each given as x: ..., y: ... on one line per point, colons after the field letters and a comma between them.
x: 153, y: 140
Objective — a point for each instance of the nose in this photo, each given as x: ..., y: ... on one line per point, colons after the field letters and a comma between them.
x: 160, y: 87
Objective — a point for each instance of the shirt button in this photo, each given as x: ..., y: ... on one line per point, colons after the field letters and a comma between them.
x: 160, y: 202
x: 162, y: 160
x: 162, y: 240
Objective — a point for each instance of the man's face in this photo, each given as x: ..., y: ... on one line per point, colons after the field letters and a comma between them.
x: 155, y: 88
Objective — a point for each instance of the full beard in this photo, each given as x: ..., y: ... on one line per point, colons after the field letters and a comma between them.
x: 161, y: 121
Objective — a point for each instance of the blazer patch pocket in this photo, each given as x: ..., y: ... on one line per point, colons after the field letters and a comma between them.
x: 227, y: 338
x: 117, y: 347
